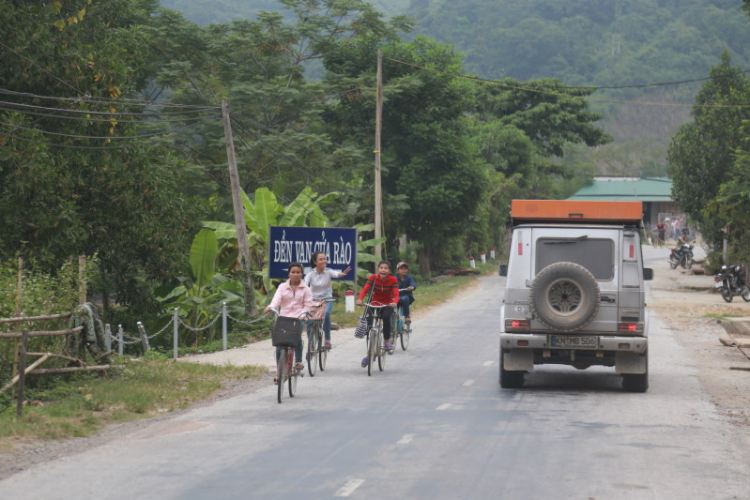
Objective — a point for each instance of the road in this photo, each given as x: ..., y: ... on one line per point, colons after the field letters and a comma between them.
x: 435, y: 425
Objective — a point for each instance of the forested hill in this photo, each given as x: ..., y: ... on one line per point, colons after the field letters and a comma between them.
x: 206, y: 12
x: 604, y: 42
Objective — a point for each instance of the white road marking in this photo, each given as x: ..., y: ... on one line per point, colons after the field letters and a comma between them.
x: 444, y: 406
x: 488, y: 363
x: 468, y: 383
x: 349, y: 487
x: 406, y: 439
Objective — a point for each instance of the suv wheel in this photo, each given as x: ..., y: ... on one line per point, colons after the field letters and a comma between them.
x: 565, y: 296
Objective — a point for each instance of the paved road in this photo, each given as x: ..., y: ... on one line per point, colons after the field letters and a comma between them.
x: 434, y: 425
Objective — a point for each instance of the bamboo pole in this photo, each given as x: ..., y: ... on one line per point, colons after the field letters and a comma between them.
x: 378, y: 126
x: 18, y: 335
x: 71, y: 369
x: 35, y: 318
x: 19, y: 312
x: 22, y: 373
x: 26, y: 372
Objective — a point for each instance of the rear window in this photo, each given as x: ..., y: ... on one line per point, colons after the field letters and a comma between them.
x: 596, y: 255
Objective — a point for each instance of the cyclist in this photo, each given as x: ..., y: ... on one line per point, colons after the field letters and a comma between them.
x: 293, y: 299
x: 384, y: 291
x: 319, y: 281
x: 406, y: 286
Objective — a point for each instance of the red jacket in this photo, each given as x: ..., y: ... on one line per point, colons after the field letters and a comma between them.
x: 386, y: 291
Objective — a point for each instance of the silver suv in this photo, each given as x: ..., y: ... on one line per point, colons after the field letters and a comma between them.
x: 574, y: 292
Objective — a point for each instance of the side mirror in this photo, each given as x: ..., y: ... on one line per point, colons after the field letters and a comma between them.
x: 502, y: 270
x: 648, y: 274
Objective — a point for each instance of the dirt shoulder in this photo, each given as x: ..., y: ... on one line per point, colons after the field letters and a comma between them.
x: 688, y: 303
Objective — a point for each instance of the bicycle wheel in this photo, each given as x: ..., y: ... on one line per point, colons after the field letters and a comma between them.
x: 280, y: 369
x: 312, y: 350
x: 383, y: 355
x: 293, y: 373
x: 374, y: 349
x: 405, y: 335
x: 322, y: 352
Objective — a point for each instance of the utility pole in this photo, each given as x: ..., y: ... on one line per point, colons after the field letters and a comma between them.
x: 378, y: 187
x: 251, y: 308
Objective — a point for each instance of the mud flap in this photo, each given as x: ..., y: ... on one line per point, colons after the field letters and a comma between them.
x: 519, y: 360
x: 630, y: 362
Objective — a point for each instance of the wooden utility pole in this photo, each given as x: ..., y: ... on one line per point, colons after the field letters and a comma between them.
x: 378, y: 187
x: 251, y: 308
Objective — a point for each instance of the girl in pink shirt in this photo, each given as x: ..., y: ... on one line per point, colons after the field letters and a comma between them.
x: 293, y: 299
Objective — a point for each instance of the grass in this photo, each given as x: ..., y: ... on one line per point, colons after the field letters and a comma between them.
x: 81, y: 405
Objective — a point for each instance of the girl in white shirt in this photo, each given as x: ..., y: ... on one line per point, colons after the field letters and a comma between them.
x: 319, y: 281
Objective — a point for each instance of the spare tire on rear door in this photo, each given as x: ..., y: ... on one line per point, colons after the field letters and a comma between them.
x: 565, y: 296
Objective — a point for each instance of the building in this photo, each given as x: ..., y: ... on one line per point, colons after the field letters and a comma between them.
x: 654, y: 192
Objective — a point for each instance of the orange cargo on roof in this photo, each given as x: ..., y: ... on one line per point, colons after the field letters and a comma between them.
x: 573, y: 210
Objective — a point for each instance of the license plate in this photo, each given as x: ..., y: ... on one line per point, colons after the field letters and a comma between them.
x: 587, y: 342
x: 718, y: 284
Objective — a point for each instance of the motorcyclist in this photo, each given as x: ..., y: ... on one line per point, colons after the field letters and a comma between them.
x: 679, y: 249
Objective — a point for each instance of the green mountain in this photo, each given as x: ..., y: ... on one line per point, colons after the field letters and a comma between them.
x: 206, y: 12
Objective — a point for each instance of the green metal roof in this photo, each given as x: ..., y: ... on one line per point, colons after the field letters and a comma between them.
x: 626, y: 189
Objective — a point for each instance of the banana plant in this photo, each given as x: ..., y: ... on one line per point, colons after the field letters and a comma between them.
x: 201, y: 294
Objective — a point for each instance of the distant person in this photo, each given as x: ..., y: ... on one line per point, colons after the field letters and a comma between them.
x: 661, y: 229
x: 406, y: 285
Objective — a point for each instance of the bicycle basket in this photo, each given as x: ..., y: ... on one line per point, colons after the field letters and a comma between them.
x: 287, y: 332
x: 318, y: 312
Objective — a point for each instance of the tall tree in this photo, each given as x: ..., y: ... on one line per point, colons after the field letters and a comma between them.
x: 701, y: 154
x: 76, y: 175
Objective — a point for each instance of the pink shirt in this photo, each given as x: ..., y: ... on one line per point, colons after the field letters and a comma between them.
x: 290, y: 303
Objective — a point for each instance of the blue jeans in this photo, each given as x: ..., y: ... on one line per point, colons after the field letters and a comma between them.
x: 404, y: 303
x: 297, y: 353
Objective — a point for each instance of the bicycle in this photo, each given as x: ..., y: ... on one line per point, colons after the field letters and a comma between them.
x: 375, y: 347
x: 401, y: 330
x: 317, y: 353
x: 286, y: 372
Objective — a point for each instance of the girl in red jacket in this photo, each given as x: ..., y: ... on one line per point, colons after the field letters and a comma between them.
x: 384, y: 288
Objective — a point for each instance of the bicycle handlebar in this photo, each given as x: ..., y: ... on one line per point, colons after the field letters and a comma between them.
x: 374, y: 305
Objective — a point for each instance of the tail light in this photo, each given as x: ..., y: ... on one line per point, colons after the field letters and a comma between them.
x: 517, y: 325
x: 718, y: 278
x: 629, y: 327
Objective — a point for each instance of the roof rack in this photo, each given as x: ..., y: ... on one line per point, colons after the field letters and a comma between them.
x: 574, y: 211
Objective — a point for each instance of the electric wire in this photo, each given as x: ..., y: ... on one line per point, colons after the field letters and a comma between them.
x: 104, y: 100
x: 147, y: 118
x: 563, y: 94
x: 76, y: 136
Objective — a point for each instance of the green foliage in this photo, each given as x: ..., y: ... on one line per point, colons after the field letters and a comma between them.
x: 702, y: 154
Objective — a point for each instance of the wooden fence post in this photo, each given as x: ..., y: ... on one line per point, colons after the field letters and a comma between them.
x: 22, y: 372
x: 144, y: 337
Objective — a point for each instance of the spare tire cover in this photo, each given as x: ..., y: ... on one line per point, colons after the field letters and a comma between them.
x: 565, y: 296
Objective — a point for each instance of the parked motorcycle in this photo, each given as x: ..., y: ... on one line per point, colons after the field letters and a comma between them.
x: 682, y: 257
x: 731, y: 281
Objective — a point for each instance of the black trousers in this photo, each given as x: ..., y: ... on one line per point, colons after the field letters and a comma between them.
x: 384, y: 313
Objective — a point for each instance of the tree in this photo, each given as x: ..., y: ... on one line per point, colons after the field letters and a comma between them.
x: 701, y: 154
x: 77, y: 174
x: 428, y: 156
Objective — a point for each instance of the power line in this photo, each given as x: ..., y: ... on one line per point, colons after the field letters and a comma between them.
x: 103, y: 100
x: 105, y: 113
x: 147, y: 118
x: 563, y: 94
x: 76, y: 136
